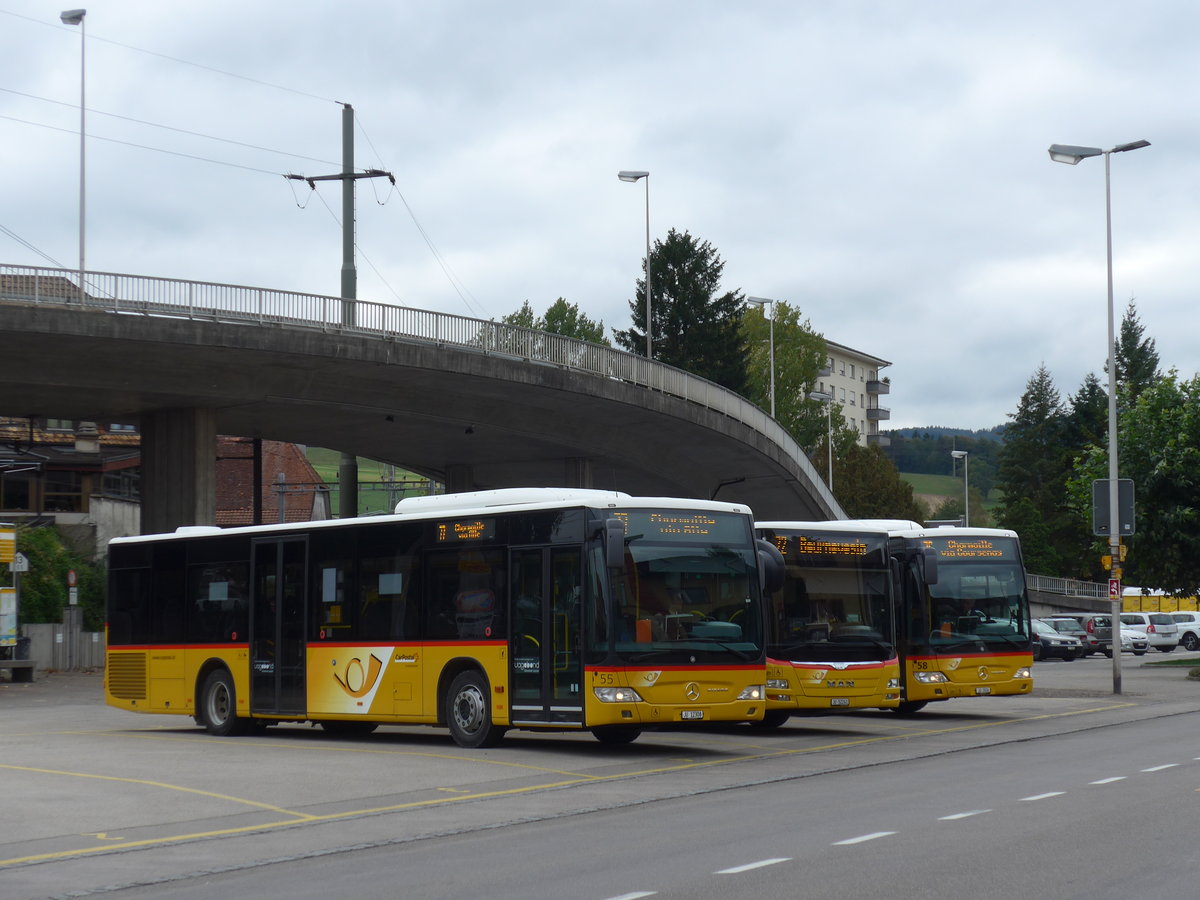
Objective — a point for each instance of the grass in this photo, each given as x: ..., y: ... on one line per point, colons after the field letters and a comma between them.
x: 374, y: 495
x: 1177, y: 662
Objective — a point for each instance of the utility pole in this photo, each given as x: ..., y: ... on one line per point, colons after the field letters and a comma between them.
x: 348, y: 468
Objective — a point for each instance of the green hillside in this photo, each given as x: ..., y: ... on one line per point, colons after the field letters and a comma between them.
x: 379, y: 486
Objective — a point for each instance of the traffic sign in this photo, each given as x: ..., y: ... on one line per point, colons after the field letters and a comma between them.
x: 20, y: 563
x: 1114, y: 589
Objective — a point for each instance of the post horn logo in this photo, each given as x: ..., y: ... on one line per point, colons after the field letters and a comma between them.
x: 357, y: 682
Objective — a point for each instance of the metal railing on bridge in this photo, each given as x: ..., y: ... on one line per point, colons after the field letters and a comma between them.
x: 1068, y: 587
x: 205, y: 301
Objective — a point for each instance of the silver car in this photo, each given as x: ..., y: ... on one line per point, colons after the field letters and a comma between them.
x: 1189, y: 629
x: 1160, y: 629
x: 1134, y: 641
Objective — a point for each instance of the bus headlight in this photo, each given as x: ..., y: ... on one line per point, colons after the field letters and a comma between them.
x: 1023, y: 672
x: 930, y: 677
x: 617, y: 695
x: 777, y: 684
x: 893, y: 682
x: 753, y: 692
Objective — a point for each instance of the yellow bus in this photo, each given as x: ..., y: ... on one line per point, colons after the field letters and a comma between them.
x: 963, y: 624
x: 831, y: 628
x: 533, y: 608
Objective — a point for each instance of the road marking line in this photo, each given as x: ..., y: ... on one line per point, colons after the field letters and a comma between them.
x: 861, y: 838
x: 1042, y: 796
x: 754, y: 865
x: 1108, y: 780
x: 1160, y: 768
x: 963, y: 815
x: 636, y: 895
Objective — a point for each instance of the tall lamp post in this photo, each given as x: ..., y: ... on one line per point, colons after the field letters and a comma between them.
x: 761, y: 303
x: 964, y: 456
x: 1071, y: 155
x: 75, y: 17
x: 633, y: 176
x: 827, y: 399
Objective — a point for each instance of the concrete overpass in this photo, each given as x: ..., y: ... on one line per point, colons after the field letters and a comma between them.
x: 472, y: 403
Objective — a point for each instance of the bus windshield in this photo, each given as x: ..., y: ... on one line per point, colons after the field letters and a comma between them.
x: 836, y: 601
x: 688, y: 591
x: 979, y: 597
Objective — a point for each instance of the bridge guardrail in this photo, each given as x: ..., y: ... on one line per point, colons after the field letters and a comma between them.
x: 1068, y: 587
x: 148, y: 296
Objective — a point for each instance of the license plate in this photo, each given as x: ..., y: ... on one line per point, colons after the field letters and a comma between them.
x: 839, y: 701
x: 692, y: 714
x: 983, y: 690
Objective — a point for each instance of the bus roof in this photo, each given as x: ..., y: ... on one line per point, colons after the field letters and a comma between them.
x: 874, y: 526
x: 465, y: 504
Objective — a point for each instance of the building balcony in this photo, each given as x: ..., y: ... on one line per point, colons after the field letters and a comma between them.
x: 878, y: 414
x: 878, y: 387
x: 878, y: 440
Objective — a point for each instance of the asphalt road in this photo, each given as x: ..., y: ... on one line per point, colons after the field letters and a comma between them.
x: 97, y: 800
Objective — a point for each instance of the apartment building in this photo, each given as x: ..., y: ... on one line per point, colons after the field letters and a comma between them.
x: 851, y: 377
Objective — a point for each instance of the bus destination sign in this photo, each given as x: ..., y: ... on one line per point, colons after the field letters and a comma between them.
x: 466, y: 530
x: 972, y: 548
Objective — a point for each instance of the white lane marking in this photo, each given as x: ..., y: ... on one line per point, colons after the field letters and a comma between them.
x: 754, y: 865
x: 963, y: 815
x: 863, y: 837
x: 1042, y: 796
x: 636, y: 895
x: 1108, y: 780
x: 1160, y: 768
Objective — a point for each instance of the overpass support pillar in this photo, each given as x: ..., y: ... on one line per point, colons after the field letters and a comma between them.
x: 179, y: 469
x: 459, y: 478
x: 577, y: 473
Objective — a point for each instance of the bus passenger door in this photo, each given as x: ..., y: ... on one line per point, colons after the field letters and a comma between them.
x: 277, y: 626
x: 546, y: 674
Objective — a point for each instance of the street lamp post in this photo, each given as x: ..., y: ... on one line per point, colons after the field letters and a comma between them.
x: 762, y: 302
x: 1071, y: 155
x: 964, y: 456
x: 633, y: 176
x: 75, y: 17
x: 827, y: 399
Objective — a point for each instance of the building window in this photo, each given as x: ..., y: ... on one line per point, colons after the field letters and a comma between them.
x: 60, y: 425
x: 843, y: 396
x: 851, y: 370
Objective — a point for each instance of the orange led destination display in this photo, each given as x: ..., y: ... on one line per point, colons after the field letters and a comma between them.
x: 683, y: 525
x: 466, y: 530
x: 972, y: 548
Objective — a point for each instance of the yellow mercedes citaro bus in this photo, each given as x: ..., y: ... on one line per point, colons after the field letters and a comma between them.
x: 964, y: 627
x: 831, y: 627
x: 539, y: 608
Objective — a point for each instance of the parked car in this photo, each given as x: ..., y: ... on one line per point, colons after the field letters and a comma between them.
x: 1160, y: 628
x: 1088, y: 644
x: 1049, y: 643
x: 1134, y: 641
x: 1097, y: 628
x: 1189, y: 629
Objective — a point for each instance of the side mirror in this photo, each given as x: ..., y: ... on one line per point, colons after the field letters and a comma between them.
x: 614, y: 543
x: 930, y: 567
x: 770, y: 566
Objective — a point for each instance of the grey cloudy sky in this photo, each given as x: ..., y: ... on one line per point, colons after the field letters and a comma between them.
x: 880, y: 165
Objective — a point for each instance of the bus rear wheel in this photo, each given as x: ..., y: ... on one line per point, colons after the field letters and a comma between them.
x: 218, y: 705
x: 469, y: 712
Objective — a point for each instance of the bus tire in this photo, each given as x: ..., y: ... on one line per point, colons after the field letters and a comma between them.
x: 908, y: 707
x: 772, y: 718
x: 616, y: 734
x: 469, y: 712
x: 218, y: 705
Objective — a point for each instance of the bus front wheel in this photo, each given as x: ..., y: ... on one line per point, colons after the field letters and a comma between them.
x: 616, y: 734
x: 772, y: 718
x: 218, y: 705
x: 469, y: 712
x: 908, y: 707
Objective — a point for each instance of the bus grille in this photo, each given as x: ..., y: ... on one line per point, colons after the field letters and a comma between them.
x: 127, y: 675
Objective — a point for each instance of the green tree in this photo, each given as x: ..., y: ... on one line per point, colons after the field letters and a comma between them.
x: 799, y: 354
x: 561, y: 318
x: 1087, y: 414
x: 1159, y: 438
x: 693, y: 327
x: 868, y: 486
x: 1137, y: 358
x: 952, y: 508
x: 44, y: 590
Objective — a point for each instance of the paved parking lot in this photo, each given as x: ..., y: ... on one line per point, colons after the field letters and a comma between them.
x: 97, y: 796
